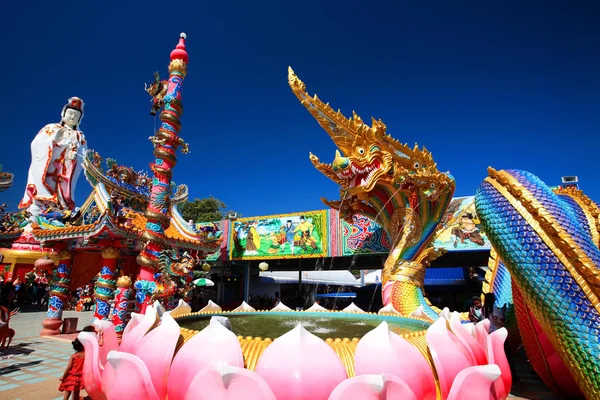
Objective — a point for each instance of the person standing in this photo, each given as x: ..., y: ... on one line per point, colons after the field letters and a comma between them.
x: 475, y: 311
x: 72, y: 379
x: 493, y: 313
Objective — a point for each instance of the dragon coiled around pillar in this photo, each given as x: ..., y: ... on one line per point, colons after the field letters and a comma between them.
x: 174, y: 272
x: 398, y: 186
x: 548, y: 241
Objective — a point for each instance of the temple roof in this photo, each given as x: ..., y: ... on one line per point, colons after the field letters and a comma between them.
x: 116, y: 205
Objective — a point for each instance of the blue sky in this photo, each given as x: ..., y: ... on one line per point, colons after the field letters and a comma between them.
x: 509, y: 84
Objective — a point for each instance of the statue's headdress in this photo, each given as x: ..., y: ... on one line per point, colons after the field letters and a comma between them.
x: 74, y: 103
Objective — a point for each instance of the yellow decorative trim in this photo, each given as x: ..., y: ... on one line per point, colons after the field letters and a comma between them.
x: 124, y: 282
x: 407, y: 271
x: 490, y: 274
x: 579, y: 265
x: 26, y: 256
x: 110, y: 253
x: 589, y: 208
x: 179, y: 66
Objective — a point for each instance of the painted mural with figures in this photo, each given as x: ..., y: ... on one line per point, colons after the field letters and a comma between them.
x: 460, y: 228
x: 300, y: 235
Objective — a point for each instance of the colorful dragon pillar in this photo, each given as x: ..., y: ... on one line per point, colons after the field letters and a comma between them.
x: 548, y: 241
x: 104, y: 290
x: 391, y: 183
x: 166, y: 95
x: 120, y: 313
x: 59, y: 294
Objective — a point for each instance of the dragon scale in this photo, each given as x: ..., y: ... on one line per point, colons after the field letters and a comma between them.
x: 549, y: 243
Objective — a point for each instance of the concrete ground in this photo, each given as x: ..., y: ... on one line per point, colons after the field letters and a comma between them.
x: 30, y: 368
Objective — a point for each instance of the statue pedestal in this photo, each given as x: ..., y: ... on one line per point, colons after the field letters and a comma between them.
x: 51, y: 326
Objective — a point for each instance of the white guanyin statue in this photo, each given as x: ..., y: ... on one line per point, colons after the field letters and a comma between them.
x: 57, y: 154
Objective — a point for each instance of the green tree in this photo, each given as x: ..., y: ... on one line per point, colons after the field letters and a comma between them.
x: 208, y: 209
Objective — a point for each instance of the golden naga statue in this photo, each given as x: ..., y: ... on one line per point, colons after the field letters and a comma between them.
x: 397, y: 186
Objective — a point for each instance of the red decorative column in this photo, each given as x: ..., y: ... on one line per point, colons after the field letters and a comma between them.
x: 120, y: 315
x: 106, y: 283
x: 59, y: 293
x: 166, y: 142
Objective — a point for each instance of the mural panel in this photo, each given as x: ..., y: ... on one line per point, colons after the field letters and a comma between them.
x: 301, y: 235
x: 363, y: 236
x: 460, y: 228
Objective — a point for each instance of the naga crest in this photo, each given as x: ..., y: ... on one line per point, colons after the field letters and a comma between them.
x: 174, y: 265
x: 158, y: 90
x: 369, y: 159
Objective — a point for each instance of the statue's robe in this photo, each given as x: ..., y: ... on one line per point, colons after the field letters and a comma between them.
x: 56, y: 162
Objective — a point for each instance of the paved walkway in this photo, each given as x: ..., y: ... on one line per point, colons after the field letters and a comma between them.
x: 31, y: 366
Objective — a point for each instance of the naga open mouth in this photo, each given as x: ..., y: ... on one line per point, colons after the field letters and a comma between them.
x: 357, y: 176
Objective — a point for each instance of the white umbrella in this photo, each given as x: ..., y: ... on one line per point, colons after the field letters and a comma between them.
x: 203, y: 282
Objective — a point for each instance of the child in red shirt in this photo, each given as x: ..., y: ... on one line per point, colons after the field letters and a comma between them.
x: 72, y: 380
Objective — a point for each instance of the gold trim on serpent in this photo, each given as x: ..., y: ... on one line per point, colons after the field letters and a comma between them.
x: 567, y: 251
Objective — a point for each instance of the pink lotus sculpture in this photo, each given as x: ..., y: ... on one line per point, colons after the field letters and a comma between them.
x: 151, y: 363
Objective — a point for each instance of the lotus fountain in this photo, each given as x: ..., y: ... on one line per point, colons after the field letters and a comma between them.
x: 160, y: 357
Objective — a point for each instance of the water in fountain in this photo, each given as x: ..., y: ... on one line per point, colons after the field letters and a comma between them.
x: 324, y: 325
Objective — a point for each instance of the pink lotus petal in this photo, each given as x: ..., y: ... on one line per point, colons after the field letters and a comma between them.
x: 92, y: 375
x: 446, y: 314
x: 130, y: 333
x: 381, y: 351
x: 226, y: 382
x: 131, y: 342
x: 475, y: 383
x: 160, y: 310
x: 470, y: 328
x: 482, y: 329
x: 110, y: 339
x: 131, y: 379
x: 156, y: 350
x: 182, y: 308
x: 300, y: 366
x: 448, y: 353
x: 476, y: 351
x: 215, y: 343
x: 497, y: 356
x: 373, y: 387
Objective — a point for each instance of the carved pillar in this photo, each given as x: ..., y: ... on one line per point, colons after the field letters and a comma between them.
x: 166, y: 142
x: 59, y: 293
x: 106, y: 283
x: 120, y: 315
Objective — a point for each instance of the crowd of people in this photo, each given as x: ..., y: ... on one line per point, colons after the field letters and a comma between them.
x: 31, y: 292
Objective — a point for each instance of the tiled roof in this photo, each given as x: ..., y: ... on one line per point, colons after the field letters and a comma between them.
x: 138, y: 221
x: 73, y: 230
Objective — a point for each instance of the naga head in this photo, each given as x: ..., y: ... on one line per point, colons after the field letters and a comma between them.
x: 369, y: 159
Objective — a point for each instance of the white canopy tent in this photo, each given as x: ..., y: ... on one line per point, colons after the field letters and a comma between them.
x: 340, y: 278
x: 372, y: 278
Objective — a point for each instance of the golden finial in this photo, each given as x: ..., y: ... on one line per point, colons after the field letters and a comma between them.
x: 124, y: 281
